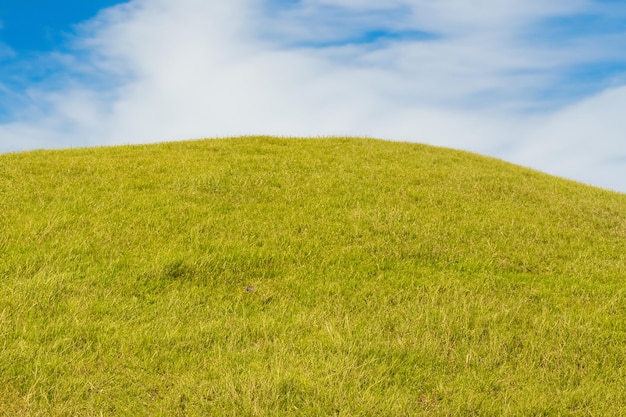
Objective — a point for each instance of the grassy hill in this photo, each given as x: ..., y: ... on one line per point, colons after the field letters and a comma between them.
x: 271, y: 277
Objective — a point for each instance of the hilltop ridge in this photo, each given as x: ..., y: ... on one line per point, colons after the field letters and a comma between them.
x: 388, y: 278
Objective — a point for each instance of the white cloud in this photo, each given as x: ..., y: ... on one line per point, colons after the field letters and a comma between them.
x: 155, y: 70
x: 584, y: 141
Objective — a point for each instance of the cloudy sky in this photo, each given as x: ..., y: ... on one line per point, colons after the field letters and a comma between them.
x: 541, y: 83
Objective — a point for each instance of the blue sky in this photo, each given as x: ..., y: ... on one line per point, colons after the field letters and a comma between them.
x: 38, y: 25
x: 541, y: 83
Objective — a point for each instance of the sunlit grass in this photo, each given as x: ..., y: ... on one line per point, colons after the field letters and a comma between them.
x: 388, y: 279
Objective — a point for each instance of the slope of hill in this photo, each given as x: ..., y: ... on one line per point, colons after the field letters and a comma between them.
x: 267, y: 277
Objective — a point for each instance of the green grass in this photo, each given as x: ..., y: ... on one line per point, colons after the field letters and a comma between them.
x: 389, y: 279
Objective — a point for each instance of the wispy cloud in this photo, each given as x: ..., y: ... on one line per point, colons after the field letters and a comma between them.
x: 537, y: 82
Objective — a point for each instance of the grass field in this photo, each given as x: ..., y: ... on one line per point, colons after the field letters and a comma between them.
x: 321, y: 277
